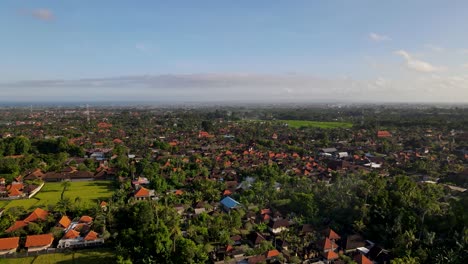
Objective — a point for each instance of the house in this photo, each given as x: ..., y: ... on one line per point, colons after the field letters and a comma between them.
x: 37, y: 214
x: 330, y: 234
x: 361, y: 259
x: 255, y: 239
x: 278, y: 226
x: 86, y: 219
x: 272, y: 254
x: 383, y: 134
x: 379, y: 255
x: 143, y: 194
x: 64, y: 222
x: 228, y: 203
x: 39, y: 242
x: 257, y: 259
x: 330, y: 256
x: 326, y: 245
x: 353, y: 242
x: 17, y: 225
x: 8, y: 245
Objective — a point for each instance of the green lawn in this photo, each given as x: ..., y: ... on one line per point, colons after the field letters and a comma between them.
x: 90, y: 192
x: 318, y: 124
x: 101, y: 256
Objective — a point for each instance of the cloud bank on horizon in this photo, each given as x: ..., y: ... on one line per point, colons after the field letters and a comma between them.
x: 214, y: 51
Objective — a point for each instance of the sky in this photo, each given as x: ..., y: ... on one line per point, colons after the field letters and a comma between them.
x: 244, y: 50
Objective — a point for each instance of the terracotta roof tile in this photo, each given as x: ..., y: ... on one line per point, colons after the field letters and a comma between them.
x: 330, y: 255
x: 65, y: 221
x: 17, y: 225
x: 329, y: 233
x: 37, y: 214
x: 272, y: 253
x: 86, y: 219
x: 361, y: 259
x: 142, y: 192
x: 91, y: 236
x: 71, y: 234
x: 39, y: 240
x: 9, y: 243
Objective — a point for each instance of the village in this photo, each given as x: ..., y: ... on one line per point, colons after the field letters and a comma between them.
x: 198, y: 186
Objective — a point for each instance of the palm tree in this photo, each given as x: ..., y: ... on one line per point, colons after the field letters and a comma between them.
x: 65, y: 184
x: 63, y: 205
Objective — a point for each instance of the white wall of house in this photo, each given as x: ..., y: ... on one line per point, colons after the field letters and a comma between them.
x: 7, y: 251
x: 34, y: 249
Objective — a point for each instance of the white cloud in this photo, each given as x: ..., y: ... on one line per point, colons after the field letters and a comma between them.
x: 241, y: 87
x: 43, y: 14
x: 434, y: 48
x: 417, y: 65
x: 378, y: 38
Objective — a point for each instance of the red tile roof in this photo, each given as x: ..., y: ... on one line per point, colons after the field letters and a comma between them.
x: 39, y: 240
x: 86, y: 219
x: 14, y: 192
x: 91, y: 236
x: 9, y: 243
x: 326, y: 244
x: 37, y: 214
x: 272, y: 253
x: 72, y: 234
x: 65, y: 221
x: 383, y: 133
x: 361, y: 259
x: 17, y: 225
x: 329, y: 233
x: 142, y: 192
x: 330, y: 255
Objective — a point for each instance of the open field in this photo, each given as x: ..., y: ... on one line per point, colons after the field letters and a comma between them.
x: 318, y: 124
x: 90, y: 193
x: 102, y: 256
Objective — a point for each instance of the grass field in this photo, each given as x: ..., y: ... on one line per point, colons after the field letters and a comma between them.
x: 318, y: 124
x: 101, y: 256
x: 90, y: 192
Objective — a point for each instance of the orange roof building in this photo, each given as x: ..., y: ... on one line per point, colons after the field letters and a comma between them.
x: 142, y: 193
x: 361, y: 259
x: 37, y: 214
x: 383, y: 134
x: 91, y: 236
x: 330, y: 255
x: 17, y: 225
x: 8, y: 245
x: 272, y: 253
x: 65, y: 221
x: 85, y: 219
x: 330, y: 234
x: 71, y: 234
x: 39, y: 242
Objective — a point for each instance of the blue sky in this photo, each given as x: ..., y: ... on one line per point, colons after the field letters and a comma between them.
x: 220, y: 50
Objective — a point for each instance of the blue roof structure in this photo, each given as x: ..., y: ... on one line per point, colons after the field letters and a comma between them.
x: 229, y: 203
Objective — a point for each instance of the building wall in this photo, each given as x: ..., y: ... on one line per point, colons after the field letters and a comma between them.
x: 33, y: 249
x: 3, y: 252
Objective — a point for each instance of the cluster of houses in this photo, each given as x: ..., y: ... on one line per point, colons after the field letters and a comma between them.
x: 76, y: 233
x: 320, y: 247
x: 17, y: 189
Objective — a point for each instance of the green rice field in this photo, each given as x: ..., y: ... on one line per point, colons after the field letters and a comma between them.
x: 102, y: 256
x: 317, y: 124
x: 90, y: 193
